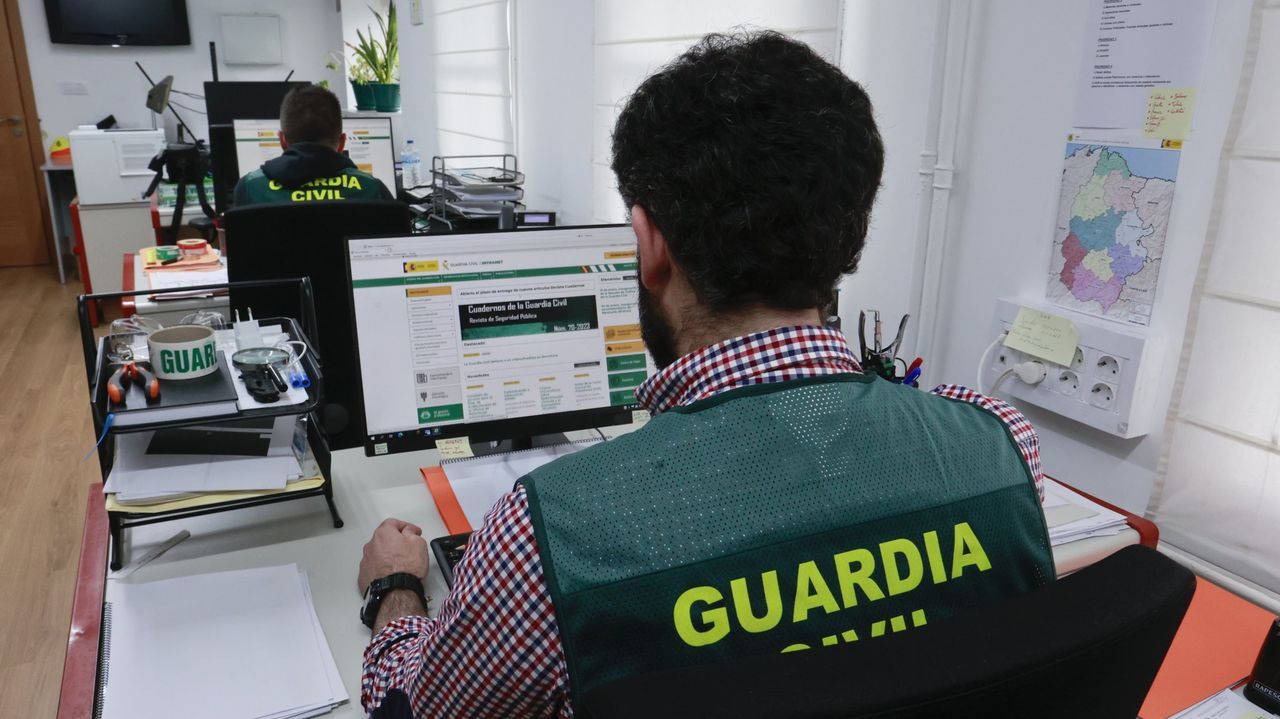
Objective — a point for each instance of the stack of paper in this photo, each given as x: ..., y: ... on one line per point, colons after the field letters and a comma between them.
x: 465, y: 489
x: 245, y: 643
x: 187, y: 278
x: 272, y: 335
x: 1071, y: 517
x: 1226, y: 704
x: 140, y: 476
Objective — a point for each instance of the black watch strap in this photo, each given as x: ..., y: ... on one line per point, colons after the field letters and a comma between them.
x: 380, y: 588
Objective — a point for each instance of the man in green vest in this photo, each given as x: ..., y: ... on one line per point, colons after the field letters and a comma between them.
x: 780, y: 500
x: 312, y: 168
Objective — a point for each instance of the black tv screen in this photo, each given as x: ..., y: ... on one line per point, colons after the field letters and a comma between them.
x: 118, y: 22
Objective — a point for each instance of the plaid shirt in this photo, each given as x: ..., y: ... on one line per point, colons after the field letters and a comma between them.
x: 494, y: 649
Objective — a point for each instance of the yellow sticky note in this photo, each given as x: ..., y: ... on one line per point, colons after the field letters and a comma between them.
x: 454, y: 448
x: 1044, y: 336
x: 1169, y: 112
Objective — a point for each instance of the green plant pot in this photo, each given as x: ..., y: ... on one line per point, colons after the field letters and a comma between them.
x: 386, y: 96
x: 365, y: 96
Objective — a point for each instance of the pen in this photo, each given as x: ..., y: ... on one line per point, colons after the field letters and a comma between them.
x: 915, y: 365
x: 912, y: 376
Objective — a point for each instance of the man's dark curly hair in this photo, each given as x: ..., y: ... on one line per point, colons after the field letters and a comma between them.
x: 759, y: 162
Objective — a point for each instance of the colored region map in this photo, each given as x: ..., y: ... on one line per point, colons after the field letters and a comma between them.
x: 1113, y: 217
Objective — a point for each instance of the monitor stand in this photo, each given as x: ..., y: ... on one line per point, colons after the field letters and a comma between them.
x: 481, y: 449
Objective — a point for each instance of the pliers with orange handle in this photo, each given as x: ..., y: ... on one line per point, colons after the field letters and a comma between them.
x: 130, y: 372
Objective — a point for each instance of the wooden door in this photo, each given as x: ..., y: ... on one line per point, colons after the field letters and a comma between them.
x: 22, y: 204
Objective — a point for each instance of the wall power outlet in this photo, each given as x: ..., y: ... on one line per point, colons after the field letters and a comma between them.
x: 1109, y: 385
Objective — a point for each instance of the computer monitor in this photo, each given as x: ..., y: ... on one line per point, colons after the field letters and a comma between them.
x: 369, y: 145
x: 495, y: 335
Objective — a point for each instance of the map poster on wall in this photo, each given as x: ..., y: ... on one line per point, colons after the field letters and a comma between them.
x: 1113, y: 217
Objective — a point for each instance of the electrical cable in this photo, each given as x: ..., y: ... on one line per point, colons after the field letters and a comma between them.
x: 188, y: 109
x: 106, y: 427
x: 982, y: 363
x: 188, y: 94
x: 996, y: 386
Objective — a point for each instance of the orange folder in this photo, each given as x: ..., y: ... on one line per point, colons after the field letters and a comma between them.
x: 1214, y: 648
x: 455, y: 520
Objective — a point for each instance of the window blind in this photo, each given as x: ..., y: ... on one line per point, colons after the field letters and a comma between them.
x: 1218, y: 495
x: 473, y: 77
x: 633, y: 39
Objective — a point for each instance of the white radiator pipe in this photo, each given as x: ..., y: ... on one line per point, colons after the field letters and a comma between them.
x: 951, y: 63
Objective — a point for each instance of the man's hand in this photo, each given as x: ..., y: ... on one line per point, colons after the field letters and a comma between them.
x: 396, y: 546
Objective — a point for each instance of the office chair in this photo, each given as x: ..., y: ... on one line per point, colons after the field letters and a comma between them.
x: 308, y: 239
x: 1088, y: 645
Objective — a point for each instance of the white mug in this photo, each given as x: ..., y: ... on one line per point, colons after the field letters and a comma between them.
x: 183, y: 352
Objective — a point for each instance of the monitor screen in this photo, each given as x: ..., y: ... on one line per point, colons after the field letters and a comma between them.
x: 119, y: 22
x: 496, y: 335
x: 369, y: 145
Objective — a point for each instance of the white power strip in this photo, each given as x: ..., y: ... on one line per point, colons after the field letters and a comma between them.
x: 1109, y: 385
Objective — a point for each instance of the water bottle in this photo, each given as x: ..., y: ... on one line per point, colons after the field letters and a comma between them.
x: 411, y: 166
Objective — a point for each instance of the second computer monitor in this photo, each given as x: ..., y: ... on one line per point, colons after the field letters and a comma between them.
x: 496, y: 335
x: 369, y: 146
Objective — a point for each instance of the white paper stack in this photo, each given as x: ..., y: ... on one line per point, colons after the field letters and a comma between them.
x: 187, y: 278
x: 272, y: 335
x: 244, y: 643
x: 138, y: 477
x: 479, y: 482
x: 1071, y: 517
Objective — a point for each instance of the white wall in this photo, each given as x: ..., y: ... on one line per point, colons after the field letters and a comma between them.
x: 1009, y: 165
x: 417, y: 81
x: 309, y: 29
x: 554, y: 56
x: 888, y: 49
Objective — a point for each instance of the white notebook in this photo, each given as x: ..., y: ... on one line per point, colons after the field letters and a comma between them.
x: 244, y: 643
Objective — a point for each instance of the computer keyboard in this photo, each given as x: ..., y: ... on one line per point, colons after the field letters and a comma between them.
x: 448, y: 552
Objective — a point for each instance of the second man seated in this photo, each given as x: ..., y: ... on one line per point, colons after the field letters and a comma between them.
x: 312, y: 167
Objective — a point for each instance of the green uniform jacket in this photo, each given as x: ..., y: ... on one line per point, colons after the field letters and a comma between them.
x: 782, y: 517
x: 308, y: 172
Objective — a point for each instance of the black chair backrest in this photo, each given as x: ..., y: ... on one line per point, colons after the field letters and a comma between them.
x: 1088, y: 645
x: 307, y: 239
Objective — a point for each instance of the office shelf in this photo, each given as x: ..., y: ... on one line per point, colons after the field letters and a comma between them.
x: 97, y: 368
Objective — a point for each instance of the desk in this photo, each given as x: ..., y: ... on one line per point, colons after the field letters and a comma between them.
x: 167, y: 312
x: 301, y: 532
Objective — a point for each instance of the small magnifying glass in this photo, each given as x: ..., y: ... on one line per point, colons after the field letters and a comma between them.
x: 260, y: 369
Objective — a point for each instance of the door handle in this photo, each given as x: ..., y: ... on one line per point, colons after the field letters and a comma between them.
x: 14, y: 119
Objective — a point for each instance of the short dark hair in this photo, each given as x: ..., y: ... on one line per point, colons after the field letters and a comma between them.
x: 759, y: 161
x: 311, y: 113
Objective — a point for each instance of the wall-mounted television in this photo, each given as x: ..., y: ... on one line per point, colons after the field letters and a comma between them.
x: 118, y: 22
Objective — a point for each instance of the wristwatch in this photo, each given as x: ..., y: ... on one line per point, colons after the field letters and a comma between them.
x: 380, y: 588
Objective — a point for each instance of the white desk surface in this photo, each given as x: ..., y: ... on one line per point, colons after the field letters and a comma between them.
x: 367, y: 490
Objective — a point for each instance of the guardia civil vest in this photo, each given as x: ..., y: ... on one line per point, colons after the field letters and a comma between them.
x: 781, y: 517
x: 349, y: 184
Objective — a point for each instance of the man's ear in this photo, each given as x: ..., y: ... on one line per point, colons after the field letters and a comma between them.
x: 655, y: 256
x: 342, y: 142
x: 284, y: 144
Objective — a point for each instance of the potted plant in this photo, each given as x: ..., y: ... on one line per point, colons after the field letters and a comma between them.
x: 380, y: 52
x: 362, y: 79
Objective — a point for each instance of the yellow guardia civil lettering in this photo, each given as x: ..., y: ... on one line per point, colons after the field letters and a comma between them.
x: 716, y: 619
x: 349, y: 182
x: 702, y: 617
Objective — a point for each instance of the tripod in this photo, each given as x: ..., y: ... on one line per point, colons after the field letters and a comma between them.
x: 186, y: 163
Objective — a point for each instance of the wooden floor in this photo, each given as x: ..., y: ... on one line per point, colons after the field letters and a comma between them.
x: 45, y: 430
